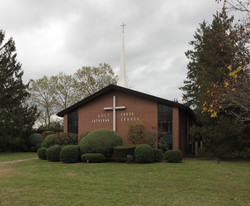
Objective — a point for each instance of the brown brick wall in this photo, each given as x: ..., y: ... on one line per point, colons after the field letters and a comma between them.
x: 176, y: 128
x: 65, y: 123
x: 93, y: 116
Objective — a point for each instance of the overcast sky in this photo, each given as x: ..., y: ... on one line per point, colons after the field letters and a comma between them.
x: 55, y: 36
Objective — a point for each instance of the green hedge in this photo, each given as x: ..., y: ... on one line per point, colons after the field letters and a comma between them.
x: 53, y: 153
x: 158, y: 156
x: 84, y: 134
x: 144, y: 153
x: 42, y: 153
x: 100, y: 141
x: 93, y: 157
x: 68, y: 139
x: 130, y: 158
x: 47, y: 133
x: 35, y: 141
x: 173, y: 156
x: 69, y: 154
x: 121, y: 152
x: 50, y: 140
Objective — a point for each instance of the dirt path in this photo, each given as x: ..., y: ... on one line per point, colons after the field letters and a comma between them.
x: 14, y: 161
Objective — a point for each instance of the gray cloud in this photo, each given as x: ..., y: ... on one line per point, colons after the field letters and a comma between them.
x: 55, y: 36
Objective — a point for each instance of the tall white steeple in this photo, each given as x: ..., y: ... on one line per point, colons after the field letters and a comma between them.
x: 122, y: 81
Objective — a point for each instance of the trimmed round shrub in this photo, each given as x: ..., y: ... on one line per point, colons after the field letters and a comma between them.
x: 93, y: 157
x: 69, y: 154
x: 68, y: 139
x: 42, y: 153
x: 144, y: 153
x: 35, y: 140
x: 53, y: 153
x: 100, y: 141
x: 173, y: 156
x: 50, y: 140
x: 84, y: 134
x: 38, y: 146
x: 121, y: 152
x: 158, y: 155
x: 47, y: 133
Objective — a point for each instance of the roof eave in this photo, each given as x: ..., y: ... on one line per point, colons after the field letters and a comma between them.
x: 119, y: 88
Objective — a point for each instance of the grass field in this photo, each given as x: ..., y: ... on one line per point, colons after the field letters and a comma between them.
x: 193, y: 182
x: 16, y: 156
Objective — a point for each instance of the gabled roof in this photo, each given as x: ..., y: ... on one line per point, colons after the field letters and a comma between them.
x: 125, y: 90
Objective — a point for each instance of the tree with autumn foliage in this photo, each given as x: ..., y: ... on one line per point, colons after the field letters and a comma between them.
x: 232, y: 94
x: 217, y: 84
x: 217, y: 47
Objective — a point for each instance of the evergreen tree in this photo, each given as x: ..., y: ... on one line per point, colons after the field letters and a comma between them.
x: 16, y: 117
x: 219, y: 53
x: 216, y: 47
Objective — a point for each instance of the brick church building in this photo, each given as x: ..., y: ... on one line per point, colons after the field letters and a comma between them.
x: 114, y: 107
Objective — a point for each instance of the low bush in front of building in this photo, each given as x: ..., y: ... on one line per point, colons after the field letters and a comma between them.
x: 136, y: 132
x: 50, y: 140
x: 69, y: 154
x: 93, y: 157
x: 100, y: 141
x: 84, y: 134
x: 68, y: 139
x: 42, y: 153
x: 163, y: 146
x: 53, y: 153
x: 130, y: 159
x: 158, y: 156
x: 47, y: 133
x: 121, y: 152
x: 144, y: 154
x: 173, y: 156
x: 35, y: 141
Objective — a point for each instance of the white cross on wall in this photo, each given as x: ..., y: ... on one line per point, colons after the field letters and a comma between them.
x: 114, y: 108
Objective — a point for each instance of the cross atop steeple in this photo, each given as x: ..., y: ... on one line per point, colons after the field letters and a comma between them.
x: 123, y: 25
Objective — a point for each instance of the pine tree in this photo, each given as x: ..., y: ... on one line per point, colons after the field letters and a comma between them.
x: 216, y: 47
x: 219, y: 52
x: 16, y: 117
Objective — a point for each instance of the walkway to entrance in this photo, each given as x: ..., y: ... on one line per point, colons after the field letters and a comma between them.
x: 14, y: 161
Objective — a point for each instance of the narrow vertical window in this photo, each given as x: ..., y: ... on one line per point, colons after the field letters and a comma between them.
x: 165, y: 121
x: 73, y: 122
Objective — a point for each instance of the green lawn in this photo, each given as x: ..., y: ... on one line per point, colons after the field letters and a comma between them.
x: 193, y: 182
x: 16, y: 156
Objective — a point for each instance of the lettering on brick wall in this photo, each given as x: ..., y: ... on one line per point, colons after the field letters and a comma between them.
x: 128, y: 116
x: 124, y: 117
x: 101, y: 118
